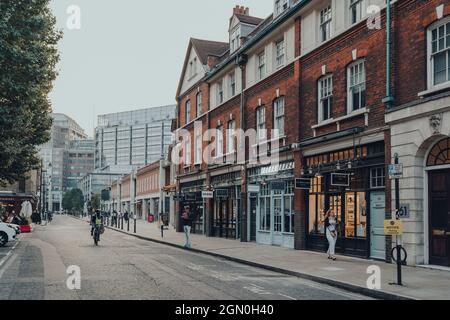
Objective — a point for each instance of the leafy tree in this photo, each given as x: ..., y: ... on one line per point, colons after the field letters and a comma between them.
x: 95, y: 202
x: 28, y: 58
x: 73, y: 200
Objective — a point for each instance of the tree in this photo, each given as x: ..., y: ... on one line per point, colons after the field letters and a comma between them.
x: 95, y: 202
x: 28, y: 58
x: 73, y: 200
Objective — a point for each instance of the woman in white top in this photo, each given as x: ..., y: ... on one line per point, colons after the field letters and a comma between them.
x: 331, y: 232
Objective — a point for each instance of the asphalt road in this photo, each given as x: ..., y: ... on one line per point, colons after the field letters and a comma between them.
x: 124, y: 267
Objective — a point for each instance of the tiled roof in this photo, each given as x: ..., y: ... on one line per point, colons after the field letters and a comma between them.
x: 248, y: 19
x: 205, y: 48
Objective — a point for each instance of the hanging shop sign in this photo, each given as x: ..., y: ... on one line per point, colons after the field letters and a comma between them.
x: 393, y: 227
x: 395, y: 171
x: 190, y: 196
x: 178, y: 198
x: 303, y: 184
x: 222, y: 193
x: 278, y: 185
x: 254, y: 188
x: 340, y: 180
x: 208, y: 194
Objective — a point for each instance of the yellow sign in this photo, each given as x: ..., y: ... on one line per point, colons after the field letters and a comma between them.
x: 393, y: 227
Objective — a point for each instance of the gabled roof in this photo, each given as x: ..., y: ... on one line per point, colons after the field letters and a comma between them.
x: 248, y: 19
x: 205, y: 48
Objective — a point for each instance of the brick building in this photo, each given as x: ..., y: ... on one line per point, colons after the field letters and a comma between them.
x: 311, y: 81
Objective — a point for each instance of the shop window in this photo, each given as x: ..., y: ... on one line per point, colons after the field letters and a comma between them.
x: 355, y: 215
x: 264, y: 214
x: 277, y: 215
x: 288, y: 214
x: 377, y: 178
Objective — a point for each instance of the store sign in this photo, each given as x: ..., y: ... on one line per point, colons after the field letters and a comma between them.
x: 254, y: 188
x: 178, y: 198
x: 303, y: 184
x: 278, y: 185
x: 222, y: 193
x: 190, y: 197
x: 395, y: 171
x: 393, y: 227
x: 340, y: 180
x: 208, y: 194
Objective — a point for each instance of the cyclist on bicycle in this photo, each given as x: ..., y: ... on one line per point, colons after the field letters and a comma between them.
x: 96, y: 221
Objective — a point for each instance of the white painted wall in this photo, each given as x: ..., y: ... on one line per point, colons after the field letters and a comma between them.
x: 188, y: 82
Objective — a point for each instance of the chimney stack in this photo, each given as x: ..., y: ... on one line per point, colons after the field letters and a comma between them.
x: 241, y: 10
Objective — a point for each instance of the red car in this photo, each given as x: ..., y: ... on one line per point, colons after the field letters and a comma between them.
x: 26, y: 228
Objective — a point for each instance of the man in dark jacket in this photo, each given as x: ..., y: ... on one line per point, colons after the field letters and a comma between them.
x: 186, y: 218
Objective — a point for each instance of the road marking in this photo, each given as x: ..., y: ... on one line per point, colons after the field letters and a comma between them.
x: 8, y: 254
x: 283, y: 295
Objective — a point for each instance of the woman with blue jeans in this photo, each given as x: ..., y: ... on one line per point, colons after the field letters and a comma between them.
x: 187, y: 224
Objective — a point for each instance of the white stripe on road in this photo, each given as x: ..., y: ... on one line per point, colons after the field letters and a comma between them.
x: 283, y: 295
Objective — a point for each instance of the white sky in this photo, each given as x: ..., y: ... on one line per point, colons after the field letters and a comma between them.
x: 128, y: 54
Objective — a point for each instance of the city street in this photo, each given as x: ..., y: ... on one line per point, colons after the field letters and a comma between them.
x: 124, y: 267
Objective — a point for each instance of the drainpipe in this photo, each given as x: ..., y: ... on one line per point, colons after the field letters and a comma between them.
x: 241, y: 61
x: 389, y: 99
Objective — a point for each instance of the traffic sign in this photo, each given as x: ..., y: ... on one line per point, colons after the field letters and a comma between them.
x: 393, y: 227
x: 395, y: 171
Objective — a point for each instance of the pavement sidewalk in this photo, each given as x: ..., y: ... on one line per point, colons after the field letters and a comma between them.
x: 346, y: 273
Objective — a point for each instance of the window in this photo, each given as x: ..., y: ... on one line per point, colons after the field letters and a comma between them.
x: 198, y: 148
x: 377, y: 178
x: 261, y: 123
x: 281, y: 6
x: 265, y: 209
x: 220, y: 92
x: 193, y: 68
x: 187, y: 160
x: 440, y: 53
x: 279, y: 53
x: 188, y: 111
x: 356, y: 11
x: 233, y: 84
x: 356, y: 86
x: 278, y: 111
x: 261, y: 65
x: 219, y: 142
x: 325, y: 23
x: 325, y: 98
x: 199, y: 104
x: 231, y: 141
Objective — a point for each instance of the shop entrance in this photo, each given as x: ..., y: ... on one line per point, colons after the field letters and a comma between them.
x: 439, y: 203
x: 377, y: 217
x: 439, y: 200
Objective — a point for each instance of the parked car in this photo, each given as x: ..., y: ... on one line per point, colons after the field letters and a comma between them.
x: 15, y: 227
x: 7, y: 234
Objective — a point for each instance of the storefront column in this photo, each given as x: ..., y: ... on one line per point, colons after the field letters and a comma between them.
x: 209, y: 210
x: 243, y: 214
x: 299, y: 206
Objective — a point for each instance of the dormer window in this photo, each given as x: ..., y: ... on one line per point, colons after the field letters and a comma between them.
x: 281, y: 6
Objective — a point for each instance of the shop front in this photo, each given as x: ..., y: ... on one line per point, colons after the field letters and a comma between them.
x: 350, y: 182
x: 271, y: 205
x: 191, y: 197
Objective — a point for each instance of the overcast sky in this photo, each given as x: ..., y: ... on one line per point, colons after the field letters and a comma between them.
x: 128, y: 54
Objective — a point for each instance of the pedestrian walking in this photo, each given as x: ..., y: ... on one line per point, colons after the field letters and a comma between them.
x: 187, y: 225
x: 331, y: 223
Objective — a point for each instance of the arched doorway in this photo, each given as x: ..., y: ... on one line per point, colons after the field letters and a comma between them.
x: 438, y: 163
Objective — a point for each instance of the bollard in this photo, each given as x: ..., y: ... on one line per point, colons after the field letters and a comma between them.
x: 128, y: 225
x: 134, y: 225
x: 162, y: 231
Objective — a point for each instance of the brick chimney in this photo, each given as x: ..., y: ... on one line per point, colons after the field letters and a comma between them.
x: 241, y: 10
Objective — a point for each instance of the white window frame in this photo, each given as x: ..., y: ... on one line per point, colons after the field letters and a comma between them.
x: 357, y: 5
x: 187, y: 160
x: 280, y: 53
x: 219, y: 142
x: 325, y: 94
x: 199, y: 103
x: 358, y: 83
x: 232, y: 78
x: 231, y: 146
x: 325, y: 23
x: 279, y: 117
x: 261, y: 65
x: 198, y: 147
x: 188, y: 111
x: 431, y: 55
x: 374, y: 175
x: 261, y: 123
x: 220, y: 93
